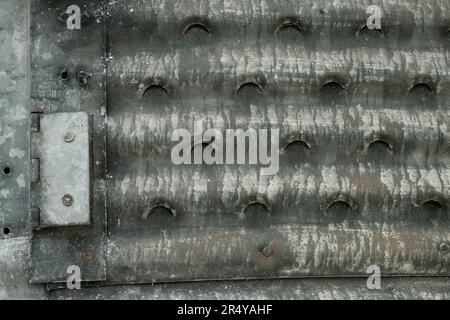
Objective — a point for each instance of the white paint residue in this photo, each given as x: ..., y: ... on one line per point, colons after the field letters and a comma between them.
x: 16, y: 153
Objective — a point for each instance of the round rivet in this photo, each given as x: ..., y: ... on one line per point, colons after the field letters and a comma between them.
x: 67, y: 200
x: 267, y: 251
x: 444, y: 247
x: 69, y: 137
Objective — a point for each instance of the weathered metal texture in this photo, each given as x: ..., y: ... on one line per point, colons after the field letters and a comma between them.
x: 68, y: 75
x: 15, y: 263
x: 62, y: 147
x: 415, y: 288
x: 15, y: 270
x: 380, y: 144
x: 377, y: 140
x: 240, y: 252
x: 14, y: 119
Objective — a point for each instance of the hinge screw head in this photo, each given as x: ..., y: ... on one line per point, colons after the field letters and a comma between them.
x: 67, y: 200
x: 69, y: 137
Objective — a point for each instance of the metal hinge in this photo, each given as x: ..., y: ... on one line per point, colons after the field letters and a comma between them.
x: 60, y: 169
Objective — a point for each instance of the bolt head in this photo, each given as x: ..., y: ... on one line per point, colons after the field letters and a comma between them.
x: 83, y: 78
x: 267, y: 251
x: 444, y: 247
x: 67, y: 200
x: 69, y: 137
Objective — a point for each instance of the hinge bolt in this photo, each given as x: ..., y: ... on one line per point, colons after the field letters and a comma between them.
x: 67, y: 200
x: 69, y: 137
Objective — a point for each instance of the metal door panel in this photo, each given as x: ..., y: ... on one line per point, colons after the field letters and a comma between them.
x: 379, y: 146
x: 198, y: 71
x: 68, y: 76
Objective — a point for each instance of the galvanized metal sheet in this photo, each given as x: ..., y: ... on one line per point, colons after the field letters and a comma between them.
x: 197, y: 54
x: 413, y: 288
x: 14, y: 119
x: 68, y: 76
x: 15, y: 271
x: 277, y: 251
x: 64, y: 178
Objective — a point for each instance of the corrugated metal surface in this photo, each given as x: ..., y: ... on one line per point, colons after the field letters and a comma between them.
x: 364, y: 146
x: 201, y: 69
